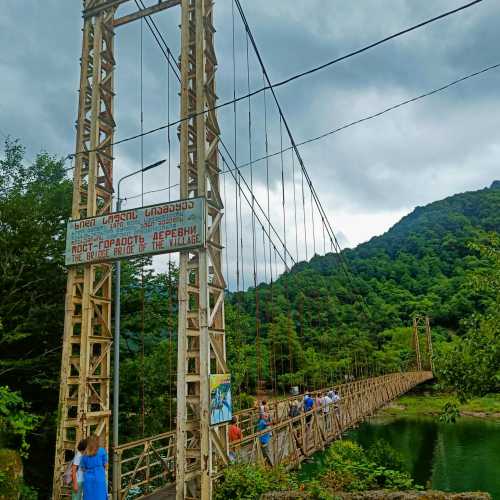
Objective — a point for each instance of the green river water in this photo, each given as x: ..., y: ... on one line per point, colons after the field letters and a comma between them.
x: 464, y: 456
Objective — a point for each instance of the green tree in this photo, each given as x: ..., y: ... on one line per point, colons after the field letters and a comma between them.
x: 470, y: 364
x: 35, y: 201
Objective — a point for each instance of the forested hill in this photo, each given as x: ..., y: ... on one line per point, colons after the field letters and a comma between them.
x: 427, y: 228
x: 423, y: 256
x: 423, y: 264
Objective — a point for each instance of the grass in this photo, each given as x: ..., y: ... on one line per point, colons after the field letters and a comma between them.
x: 432, y: 404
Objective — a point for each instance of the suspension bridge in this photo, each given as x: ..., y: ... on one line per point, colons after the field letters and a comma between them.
x: 148, y: 465
x: 241, y: 210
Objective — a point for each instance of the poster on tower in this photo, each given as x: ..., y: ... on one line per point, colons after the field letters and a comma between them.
x: 221, y: 405
x: 164, y: 228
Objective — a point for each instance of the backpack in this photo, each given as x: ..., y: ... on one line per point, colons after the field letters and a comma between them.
x: 67, y: 477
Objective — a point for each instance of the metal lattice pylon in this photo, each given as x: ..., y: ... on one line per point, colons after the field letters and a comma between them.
x: 423, y: 322
x: 85, y: 366
x: 201, y: 340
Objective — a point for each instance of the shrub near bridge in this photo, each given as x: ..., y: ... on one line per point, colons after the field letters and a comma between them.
x: 248, y: 482
x: 346, y: 467
x: 350, y: 468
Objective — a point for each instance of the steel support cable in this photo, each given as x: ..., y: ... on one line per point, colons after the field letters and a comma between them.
x: 295, y: 210
x: 264, y: 253
x: 170, y: 271
x: 153, y: 28
x: 266, y: 144
x: 237, y: 221
x: 276, y: 332
x: 225, y: 226
x: 331, y: 234
x: 272, y: 354
x: 249, y: 203
x: 141, y: 98
x: 239, y: 339
x: 286, y: 276
x: 297, y: 76
x: 304, y: 213
x: 240, y: 177
x: 280, y: 111
x: 259, y: 206
x: 283, y: 207
x: 254, y: 249
x: 324, y: 238
x: 312, y: 225
x: 367, y: 47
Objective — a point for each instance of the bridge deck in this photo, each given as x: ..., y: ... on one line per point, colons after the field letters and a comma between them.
x: 148, y: 465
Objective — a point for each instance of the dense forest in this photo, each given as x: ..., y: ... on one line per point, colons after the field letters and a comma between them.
x: 325, y: 319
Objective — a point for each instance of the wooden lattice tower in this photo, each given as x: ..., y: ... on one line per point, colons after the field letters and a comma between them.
x: 428, y: 337
x: 85, y: 368
x: 416, y: 342
x: 421, y: 322
x: 201, y: 341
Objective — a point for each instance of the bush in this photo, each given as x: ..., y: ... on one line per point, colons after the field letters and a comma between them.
x: 242, y: 401
x: 248, y: 482
x: 15, y: 422
x: 349, y: 468
x: 382, y: 453
x: 11, y: 474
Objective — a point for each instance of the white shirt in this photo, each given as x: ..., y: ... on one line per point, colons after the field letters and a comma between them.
x: 79, y: 471
x: 326, y: 404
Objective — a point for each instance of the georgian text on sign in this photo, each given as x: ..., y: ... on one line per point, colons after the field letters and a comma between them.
x: 168, y: 227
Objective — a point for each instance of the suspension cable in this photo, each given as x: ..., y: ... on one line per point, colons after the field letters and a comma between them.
x: 143, y: 409
x: 295, y: 211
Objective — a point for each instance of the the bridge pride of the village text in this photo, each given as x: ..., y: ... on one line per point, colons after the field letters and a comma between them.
x: 163, y: 228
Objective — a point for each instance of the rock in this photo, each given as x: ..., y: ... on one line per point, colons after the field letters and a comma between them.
x: 412, y: 495
x: 383, y: 494
x: 11, y: 474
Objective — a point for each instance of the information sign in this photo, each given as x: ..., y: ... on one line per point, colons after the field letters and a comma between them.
x: 221, y: 405
x: 168, y: 227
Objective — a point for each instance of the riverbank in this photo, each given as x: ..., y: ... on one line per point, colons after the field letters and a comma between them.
x: 431, y: 404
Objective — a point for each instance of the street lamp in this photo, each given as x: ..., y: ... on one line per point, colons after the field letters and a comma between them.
x: 116, y: 360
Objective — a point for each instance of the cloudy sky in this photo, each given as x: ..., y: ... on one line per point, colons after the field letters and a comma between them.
x: 367, y: 176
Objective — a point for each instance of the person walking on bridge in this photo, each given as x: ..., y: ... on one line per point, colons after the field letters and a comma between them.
x: 94, y: 464
x: 265, y: 439
x: 308, y: 403
x: 326, y: 401
x: 308, y: 406
x: 234, y: 434
x: 77, y: 472
x: 294, y: 410
x: 263, y: 408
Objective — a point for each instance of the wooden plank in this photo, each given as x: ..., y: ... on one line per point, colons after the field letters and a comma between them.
x: 95, y: 11
x: 148, y: 11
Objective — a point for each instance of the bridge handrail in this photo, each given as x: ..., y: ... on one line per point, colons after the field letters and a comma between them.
x: 331, y: 406
x: 272, y: 405
x: 358, y: 399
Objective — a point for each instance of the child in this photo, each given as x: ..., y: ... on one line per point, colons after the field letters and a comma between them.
x: 77, y: 472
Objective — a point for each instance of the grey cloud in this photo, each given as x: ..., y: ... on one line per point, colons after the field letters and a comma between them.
x: 427, y: 150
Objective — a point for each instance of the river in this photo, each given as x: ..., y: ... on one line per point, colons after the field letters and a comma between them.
x: 464, y: 456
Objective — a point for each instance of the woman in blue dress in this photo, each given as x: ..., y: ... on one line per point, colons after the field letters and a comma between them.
x: 94, y: 464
